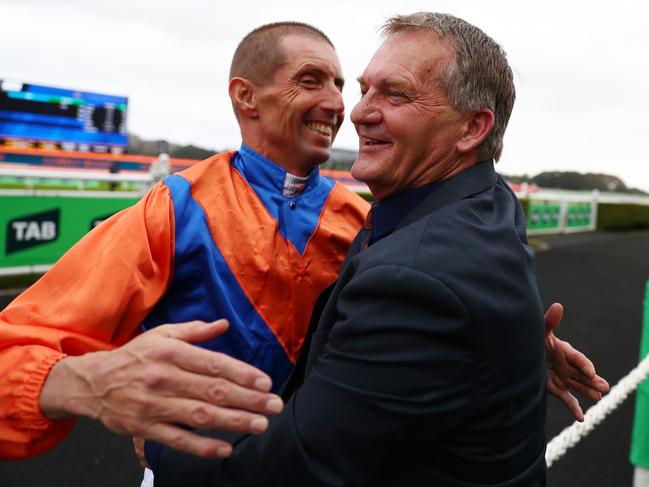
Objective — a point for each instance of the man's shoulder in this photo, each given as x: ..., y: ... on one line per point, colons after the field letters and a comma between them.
x: 489, y: 217
x: 349, y: 201
x: 468, y: 233
x: 208, y: 167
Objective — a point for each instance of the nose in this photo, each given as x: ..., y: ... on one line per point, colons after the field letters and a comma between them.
x: 365, y: 112
x: 333, y: 100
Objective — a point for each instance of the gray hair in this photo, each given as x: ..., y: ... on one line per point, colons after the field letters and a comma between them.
x: 479, y: 77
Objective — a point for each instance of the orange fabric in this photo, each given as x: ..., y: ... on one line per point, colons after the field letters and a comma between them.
x: 71, y: 311
x: 252, y: 239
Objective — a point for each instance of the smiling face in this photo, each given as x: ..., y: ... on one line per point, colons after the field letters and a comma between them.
x: 299, y: 113
x: 407, y: 129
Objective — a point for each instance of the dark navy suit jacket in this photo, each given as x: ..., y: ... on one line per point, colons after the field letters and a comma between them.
x: 426, y: 367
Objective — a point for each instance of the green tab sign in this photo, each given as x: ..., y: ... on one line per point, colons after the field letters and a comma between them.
x: 37, y: 230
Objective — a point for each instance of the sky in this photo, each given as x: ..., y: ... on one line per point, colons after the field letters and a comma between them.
x: 581, y: 68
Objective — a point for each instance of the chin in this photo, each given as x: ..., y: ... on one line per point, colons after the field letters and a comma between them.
x: 362, y: 170
x: 318, y: 157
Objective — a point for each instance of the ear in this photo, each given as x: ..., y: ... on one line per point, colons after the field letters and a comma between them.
x: 475, y: 130
x: 242, y: 94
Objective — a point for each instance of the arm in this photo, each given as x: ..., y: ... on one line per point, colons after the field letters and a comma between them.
x: 375, y: 375
x: 568, y: 368
x: 93, y: 298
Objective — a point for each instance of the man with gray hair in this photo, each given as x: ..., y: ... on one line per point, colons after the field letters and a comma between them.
x: 426, y: 365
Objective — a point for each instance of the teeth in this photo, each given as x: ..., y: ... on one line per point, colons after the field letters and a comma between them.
x: 367, y: 141
x: 320, y: 127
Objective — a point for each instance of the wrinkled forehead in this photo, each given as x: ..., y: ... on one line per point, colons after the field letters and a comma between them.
x: 421, y: 53
x: 300, y: 50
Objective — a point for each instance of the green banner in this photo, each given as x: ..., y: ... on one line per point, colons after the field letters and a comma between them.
x: 37, y: 230
x: 543, y: 215
x: 579, y: 215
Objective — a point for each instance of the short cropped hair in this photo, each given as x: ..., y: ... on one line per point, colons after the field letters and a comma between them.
x: 260, y: 53
x: 479, y: 77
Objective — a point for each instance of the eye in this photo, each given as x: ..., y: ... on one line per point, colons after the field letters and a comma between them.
x: 309, y: 80
x: 398, y: 97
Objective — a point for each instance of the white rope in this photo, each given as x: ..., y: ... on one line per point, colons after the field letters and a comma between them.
x: 570, y: 436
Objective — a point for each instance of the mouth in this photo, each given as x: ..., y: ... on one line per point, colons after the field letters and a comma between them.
x: 320, y: 128
x: 368, y: 141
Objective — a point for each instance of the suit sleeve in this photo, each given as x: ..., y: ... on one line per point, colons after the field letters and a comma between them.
x: 399, y: 356
x: 94, y: 298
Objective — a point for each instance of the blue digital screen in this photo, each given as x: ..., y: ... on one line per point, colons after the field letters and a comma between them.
x: 44, y: 113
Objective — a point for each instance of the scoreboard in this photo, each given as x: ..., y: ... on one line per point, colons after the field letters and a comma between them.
x: 56, y: 118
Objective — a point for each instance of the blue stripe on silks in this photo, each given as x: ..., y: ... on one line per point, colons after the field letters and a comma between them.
x: 267, y: 178
x: 204, y: 288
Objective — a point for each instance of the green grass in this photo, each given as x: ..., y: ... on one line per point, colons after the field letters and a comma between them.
x: 65, y: 185
x: 101, y: 186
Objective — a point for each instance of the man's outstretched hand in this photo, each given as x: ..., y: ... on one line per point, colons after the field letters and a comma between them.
x: 569, y: 370
x: 159, y: 381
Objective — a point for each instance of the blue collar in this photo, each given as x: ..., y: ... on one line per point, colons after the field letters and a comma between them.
x: 387, y: 214
x: 264, y: 173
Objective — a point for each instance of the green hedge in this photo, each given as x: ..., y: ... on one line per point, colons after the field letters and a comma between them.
x: 18, y: 282
x: 622, y: 217
x: 367, y: 196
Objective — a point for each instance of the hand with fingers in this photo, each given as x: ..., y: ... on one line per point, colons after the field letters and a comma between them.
x: 569, y: 370
x: 159, y: 381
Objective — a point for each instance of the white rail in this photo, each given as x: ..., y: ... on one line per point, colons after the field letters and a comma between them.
x: 84, y: 175
x: 570, y: 436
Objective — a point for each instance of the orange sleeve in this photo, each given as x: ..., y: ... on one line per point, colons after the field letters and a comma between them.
x: 94, y: 298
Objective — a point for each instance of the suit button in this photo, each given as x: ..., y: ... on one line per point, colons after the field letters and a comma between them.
x: 292, y: 205
x: 301, y: 271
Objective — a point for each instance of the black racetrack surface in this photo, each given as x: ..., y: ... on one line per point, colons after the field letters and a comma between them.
x: 600, y: 278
